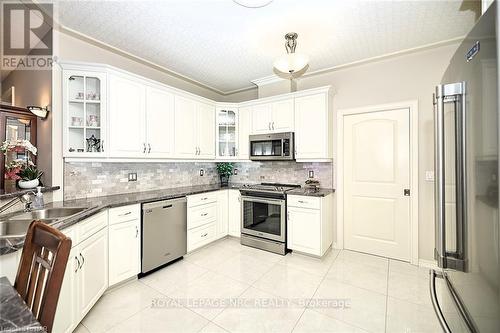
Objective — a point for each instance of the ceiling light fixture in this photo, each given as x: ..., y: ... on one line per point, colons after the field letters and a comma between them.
x: 38, y: 111
x: 291, y: 62
x: 253, y: 3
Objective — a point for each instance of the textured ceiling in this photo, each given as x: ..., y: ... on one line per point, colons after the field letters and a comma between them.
x: 225, y: 46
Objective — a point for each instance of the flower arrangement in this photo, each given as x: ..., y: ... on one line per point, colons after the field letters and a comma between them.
x: 22, y: 170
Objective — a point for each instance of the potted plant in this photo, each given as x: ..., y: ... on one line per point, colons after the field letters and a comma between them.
x: 30, y: 177
x: 225, y: 170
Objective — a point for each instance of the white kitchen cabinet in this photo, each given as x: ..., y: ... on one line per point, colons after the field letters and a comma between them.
x: 93, y: 272
x: 244, y: 125
x: 234, y: 213
x: 222, y: 213
x: 226, y: 128
x: 261, y: 118
x: 124, y: 251
x: 159, y: 123
x: 282, y: 116
x: 127, y: 134
x: 205, y: 129
x: 313, y: 122
x: 84, y: 113
x: 309, y: 224
x: 194, y: 129
x: 273, y: 117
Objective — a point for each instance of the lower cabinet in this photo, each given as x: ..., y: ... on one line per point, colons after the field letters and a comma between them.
x: 124, y: 254
x: 222, y: 213
x: 309, y: 224
x: 234, y: 213
x: 86, y: 276
x: 202, y: 216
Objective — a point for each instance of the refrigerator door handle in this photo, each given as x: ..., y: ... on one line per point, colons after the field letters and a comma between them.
x: 435, y: 303
x: 450, y: 93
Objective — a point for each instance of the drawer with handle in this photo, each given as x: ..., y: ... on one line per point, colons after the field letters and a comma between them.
x: 124, y: 214
x: 200, y: 236
x: 201, y: 199
x: 199, y: 215
x: 303, y: 201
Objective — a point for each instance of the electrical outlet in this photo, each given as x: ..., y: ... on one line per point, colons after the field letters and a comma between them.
x: 311, y: 173
x: 235, y: 172
x: 429, y: 176
x: 262, y: 177
x: 132, y: 177
x: 202, y: 172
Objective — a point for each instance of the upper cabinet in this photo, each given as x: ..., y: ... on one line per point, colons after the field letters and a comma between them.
x: 127, y: 115
x: 227, y: 132
x: 313, y: 126
x: 244, y: 123
x: 159, y: 123
x: 84, y: 113
x: 273, y: 117
x: 194, y: 129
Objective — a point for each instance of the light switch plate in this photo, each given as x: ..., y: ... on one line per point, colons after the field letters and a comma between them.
x: 311, y: 173
x: 132, y: 177
x: 235, y: 172
x: 429, y: 176
x: 202, y: 172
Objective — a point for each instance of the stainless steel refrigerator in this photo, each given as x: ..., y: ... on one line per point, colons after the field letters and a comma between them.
x: 465, y: 290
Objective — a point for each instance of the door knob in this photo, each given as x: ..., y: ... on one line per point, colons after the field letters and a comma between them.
x: 406, y: 192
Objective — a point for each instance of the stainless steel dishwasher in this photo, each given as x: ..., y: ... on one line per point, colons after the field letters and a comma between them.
x: 164, y: 232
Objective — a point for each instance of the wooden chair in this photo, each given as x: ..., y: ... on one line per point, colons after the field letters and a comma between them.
x: 41, y: 270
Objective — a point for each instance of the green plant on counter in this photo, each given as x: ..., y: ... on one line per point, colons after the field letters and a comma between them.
x: 225, y: 169
x: 30, y: 173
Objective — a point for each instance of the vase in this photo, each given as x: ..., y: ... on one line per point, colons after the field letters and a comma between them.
x: 26, y: 184
x: 224, y: 181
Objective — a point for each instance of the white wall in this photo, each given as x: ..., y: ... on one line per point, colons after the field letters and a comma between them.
x: 400, y: 78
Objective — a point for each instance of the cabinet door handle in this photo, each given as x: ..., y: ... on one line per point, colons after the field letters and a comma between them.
x: 77, y: 264
x: 125, y: 214
x: 136, y: 231
x: 144, y: 148
x: 83, y: 259
x: 203, y: 199
x: 102, y: 146
x: 204, y: 235
x: 302, y: 201
x: 273, y: 125
x: 149, y: 148
x: 269, y: 125
x: 204, y: 214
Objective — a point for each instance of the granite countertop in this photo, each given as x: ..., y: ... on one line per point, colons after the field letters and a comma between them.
x: 320, y: 192
x: 7, y: 194
x: 15, y: 315
x: 97, y: 204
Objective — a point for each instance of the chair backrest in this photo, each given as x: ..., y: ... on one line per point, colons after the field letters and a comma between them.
x: 41, y: 270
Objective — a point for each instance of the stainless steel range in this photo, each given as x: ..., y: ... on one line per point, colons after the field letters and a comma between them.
x: 263, y: 216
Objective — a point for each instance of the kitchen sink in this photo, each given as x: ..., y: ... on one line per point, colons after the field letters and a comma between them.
x: 48, y: 213
x: 17, y: 225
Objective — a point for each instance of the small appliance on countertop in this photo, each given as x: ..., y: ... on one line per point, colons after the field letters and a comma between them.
x: 263, y: 216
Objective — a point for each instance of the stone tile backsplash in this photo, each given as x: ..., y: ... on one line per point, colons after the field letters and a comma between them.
x: 97, y: 179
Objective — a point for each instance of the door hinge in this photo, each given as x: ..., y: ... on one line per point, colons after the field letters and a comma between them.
x: 406, y: 192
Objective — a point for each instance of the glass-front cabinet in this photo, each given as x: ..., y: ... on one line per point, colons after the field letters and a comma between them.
x: 84, y: 108
x: 227, y: 132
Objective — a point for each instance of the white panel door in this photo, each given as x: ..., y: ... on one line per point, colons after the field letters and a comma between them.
x: 124, y: 249
x: 261, y: 118
x: 304, y: 230
x: 185, y: 131
x: 311, y: 127
x: 244, y: 121
x: 282, y: 116
x: 159, y: 123
x: 205, y: 120
x: 93, y: 274
x: 127, y: 137
x: 376, y: 172
x: 234, y: 213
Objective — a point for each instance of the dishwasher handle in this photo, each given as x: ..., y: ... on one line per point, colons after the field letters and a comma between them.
x: 163, y: 204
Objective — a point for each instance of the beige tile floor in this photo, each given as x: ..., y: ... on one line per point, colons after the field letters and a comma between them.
x: 275, y: 293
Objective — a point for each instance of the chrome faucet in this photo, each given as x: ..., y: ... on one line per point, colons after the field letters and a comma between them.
x: 25, y: 198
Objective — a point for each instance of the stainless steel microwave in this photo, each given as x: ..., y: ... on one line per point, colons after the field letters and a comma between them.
x: 271, y: 147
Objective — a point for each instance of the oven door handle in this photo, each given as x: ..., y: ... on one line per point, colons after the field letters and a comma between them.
x: 262, y: 200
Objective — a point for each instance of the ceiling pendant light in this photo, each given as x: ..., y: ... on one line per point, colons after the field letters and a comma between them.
x: 291, y: 62
x: 253, y: 3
